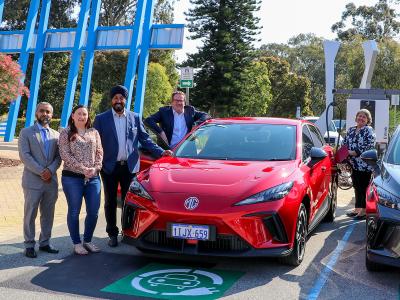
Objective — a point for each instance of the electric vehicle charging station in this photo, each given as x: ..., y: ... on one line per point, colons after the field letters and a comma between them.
x: 377, y: 101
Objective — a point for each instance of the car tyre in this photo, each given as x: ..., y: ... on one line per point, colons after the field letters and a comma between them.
x: 371, y: 265
x: 330, y: 216
x: 299, y: 246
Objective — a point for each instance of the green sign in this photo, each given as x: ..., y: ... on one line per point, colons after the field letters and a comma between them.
x: 178, y: 282
x: 186, y: 83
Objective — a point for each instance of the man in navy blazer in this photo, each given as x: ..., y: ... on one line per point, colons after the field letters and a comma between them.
x: 175, y: 121
x: 121, y: 131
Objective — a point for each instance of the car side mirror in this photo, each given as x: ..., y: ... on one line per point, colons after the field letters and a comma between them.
x: 317, y: 154
x: 370, y: 157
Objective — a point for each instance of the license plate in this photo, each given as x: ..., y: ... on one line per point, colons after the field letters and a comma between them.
x: 190, y: 232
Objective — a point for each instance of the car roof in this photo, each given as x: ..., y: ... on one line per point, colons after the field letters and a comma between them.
x: 258, y: 120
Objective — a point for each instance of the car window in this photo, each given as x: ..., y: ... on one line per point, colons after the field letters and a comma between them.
x: 316, y: 136
x: 394, y: 154
x: 231, y: 141
x: 307, y: 143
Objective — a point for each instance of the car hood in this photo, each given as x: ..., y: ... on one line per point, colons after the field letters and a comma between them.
x: 389, y: 178
x: 182, y: 175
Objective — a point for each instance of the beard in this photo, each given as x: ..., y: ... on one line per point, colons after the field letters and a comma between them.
x: 44, y: 121
x: 118, y: 107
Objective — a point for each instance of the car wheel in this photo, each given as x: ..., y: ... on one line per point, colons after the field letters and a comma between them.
x: 296, y: 257
x: 330, y: 216
x: 371, y: 265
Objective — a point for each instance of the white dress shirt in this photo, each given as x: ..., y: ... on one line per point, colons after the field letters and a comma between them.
x: 180, y: 128
x: 120, y: 126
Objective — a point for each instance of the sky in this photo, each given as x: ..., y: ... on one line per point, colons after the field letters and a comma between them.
x: 283, y: 19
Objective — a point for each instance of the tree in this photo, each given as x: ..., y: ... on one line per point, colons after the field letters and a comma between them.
x: 16, y: 12
x: 371, y: 22
x: 289, y: 90
x: 158, y: 89
x: 227, y: 28
x: 305, y: 55
x: 255, y: 94
x: 11, y: 76
x: 55, y: 65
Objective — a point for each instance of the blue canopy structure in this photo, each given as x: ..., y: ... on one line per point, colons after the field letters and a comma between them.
x: 138, y: 39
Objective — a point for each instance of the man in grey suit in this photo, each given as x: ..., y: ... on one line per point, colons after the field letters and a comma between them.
x: 38, y: 150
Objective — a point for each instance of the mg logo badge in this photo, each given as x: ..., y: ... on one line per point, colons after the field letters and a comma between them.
x: 191, y: 203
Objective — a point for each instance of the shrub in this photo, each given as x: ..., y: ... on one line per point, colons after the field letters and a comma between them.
x: 11, y: 78
x: 54, y: 123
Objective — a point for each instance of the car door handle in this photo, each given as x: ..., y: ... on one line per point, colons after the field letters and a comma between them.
x: 323, y: 168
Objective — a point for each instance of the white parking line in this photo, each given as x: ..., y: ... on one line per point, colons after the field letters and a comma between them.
x: 323, y: 277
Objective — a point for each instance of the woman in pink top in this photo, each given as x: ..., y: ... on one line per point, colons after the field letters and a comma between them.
x: 82, y: 153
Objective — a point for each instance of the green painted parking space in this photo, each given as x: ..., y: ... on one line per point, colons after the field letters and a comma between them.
x: 180, y: 282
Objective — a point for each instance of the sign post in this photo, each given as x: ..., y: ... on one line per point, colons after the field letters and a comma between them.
x: 395, y: 102
x: 186, y: 80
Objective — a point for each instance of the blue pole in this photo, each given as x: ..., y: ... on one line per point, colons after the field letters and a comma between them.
x: 89, y: 56
x: 134, y: 50
x: 1, y: 10
x: 144, y: 58
x: 23, y: 62
x: 37, y: 62
x: 75, y: 60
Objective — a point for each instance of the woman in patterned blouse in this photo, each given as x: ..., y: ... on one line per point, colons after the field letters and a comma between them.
x: 358, y: 139
x: 82, y: 153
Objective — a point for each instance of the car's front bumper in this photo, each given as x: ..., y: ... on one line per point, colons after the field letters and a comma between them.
x: 147, y: 229
x: 383, y: 236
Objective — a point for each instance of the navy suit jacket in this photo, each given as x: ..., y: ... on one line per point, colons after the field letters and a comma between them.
x: 135, y: 133
x: 165, y: 117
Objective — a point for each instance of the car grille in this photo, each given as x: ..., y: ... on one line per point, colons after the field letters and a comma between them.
x: 222, y: 243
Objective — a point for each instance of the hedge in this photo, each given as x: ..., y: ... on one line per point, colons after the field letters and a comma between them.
x: 54, y: 123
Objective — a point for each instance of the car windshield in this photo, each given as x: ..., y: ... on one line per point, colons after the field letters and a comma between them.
x: 394, y: 154
x: 331, y: 125
x: 248, y: 142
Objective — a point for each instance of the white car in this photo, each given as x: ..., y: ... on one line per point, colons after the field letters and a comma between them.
x: 333, y: 134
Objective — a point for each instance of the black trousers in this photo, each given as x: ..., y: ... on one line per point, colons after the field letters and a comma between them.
x: 361, y: 180
x: 122, y: 176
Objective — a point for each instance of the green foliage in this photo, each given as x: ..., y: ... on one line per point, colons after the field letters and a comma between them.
x: 158, y: 89
x: 370, y: 22
x: 228, y: 28
x: 255, y: 93
x: 165, y: 58
x: 54, y: 124
x: 108, y: 70
x: 305, y: 55
x: 16, y: 12
x: 289, y: 90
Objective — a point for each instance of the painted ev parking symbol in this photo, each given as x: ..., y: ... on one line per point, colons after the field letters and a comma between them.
x: 165, y: 281
x: 178, y: 282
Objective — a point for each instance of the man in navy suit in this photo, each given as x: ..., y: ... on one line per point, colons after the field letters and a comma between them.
x: 121, y: 131
x: 175, y: 120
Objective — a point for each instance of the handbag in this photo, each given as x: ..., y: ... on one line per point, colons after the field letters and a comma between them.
x: 341, y: 154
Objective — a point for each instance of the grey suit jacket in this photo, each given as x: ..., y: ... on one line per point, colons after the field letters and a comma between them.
x: 32, y: 154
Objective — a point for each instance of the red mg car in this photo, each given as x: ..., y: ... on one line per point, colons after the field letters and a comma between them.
x: 235, y: 187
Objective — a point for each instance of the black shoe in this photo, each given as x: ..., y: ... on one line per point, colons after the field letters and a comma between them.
x: 48, y: 249
x: 359, y: 217
x: 113, y: 241
x: 351, y: 214
x: 30, y: 252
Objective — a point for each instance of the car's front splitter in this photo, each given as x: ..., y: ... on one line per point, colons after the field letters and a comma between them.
x: 187, y: 248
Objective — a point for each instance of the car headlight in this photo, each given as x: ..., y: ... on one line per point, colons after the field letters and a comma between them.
x: 387, y: 199
x: 274, y: 193
x: 137, y: 189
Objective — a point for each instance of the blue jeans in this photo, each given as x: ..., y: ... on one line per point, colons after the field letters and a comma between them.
x: 75, y: 189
